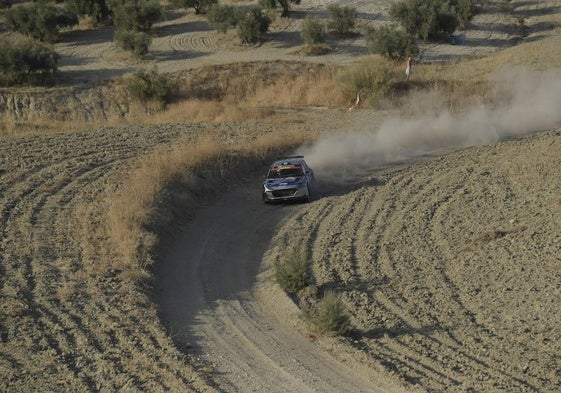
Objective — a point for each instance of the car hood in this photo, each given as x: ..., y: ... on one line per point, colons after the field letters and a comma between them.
x: 284, y: 183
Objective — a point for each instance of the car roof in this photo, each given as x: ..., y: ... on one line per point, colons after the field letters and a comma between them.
x: 293, y: 160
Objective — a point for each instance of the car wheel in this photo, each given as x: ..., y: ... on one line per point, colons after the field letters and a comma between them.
x: 309, y: 196
x: 264, y: 197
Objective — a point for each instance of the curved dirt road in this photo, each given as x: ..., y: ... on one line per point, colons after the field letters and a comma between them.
x: 209, y: 293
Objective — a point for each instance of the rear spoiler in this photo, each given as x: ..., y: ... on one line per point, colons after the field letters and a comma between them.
x: 287, y: 157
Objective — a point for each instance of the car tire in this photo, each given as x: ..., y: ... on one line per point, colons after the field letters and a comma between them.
x: 264, y: 197
x: 309, y: 196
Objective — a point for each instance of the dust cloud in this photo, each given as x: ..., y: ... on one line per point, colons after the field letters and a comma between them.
x: 526, y: 101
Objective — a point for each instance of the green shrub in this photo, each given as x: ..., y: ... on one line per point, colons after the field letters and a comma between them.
x: 425, y: 19
x: 465, y: 9
x: 5, y: 4
x: 222, y: 16
x: 26, y: 61
x: 133, y: 21
x: 39, y: 20
x: 136, y: 15
x: 291, y: 273
x: 253, y: 26
x: 329, y: 316
x: 372, y: 77
x: 97, y: 9
x: 268, y: 4
x: 391, y: 42
x: 341, y: 19
x: 200, y: 6
x: 313, y: 31
x: 137, y: 42
x: 150, y: 86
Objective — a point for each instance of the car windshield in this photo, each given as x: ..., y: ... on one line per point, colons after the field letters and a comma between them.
x: 277, y: 173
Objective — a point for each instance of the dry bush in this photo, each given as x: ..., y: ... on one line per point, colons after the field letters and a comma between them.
x: 188, y: 110
x: 373, y: 77
x: 315, y: 49
x: 291, y: 272
x: 200, y: 111
x: 329, y: 315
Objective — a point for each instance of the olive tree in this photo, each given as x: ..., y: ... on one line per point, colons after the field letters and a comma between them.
x: 39, y: 20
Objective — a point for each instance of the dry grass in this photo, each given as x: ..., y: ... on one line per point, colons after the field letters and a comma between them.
x: 10, y: 127
x: 254, y: 90
x: 141, y: 209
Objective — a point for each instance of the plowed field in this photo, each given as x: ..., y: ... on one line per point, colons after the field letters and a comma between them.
x: 450, y: 265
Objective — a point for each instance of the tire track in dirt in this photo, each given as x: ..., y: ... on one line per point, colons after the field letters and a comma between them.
x: 422, y: 256
x: 194, y: 41
x: 229, y: 322
x: 60, y: 322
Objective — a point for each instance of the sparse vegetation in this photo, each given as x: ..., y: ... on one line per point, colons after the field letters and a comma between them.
x: 291, y: 272
x: 341, y: 19
x: 133, y: 21
x: 328, y: 316
x: 391, y: 42
x: 372, y: 77
x: 150, y: 86
x: 26, y: 61
x: 39, y: 20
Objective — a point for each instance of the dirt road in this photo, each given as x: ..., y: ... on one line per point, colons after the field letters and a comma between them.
x: 447, y: 264
x: 213, y: 302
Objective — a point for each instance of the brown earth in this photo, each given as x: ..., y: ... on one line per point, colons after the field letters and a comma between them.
x: 448, y: 264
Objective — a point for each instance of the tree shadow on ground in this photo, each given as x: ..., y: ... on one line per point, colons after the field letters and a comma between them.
x: 88, y: 37
x: 180, y: 28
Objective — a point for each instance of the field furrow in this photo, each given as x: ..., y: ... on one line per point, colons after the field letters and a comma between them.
x: 61, y: 324
x: 423, y: 259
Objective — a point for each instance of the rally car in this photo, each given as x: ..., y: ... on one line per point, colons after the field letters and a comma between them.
x: 289, y: 178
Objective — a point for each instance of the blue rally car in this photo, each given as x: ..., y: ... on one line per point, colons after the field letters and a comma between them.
x: 289, y: 178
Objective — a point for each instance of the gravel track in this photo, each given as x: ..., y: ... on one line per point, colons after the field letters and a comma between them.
x: 238, y: 329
